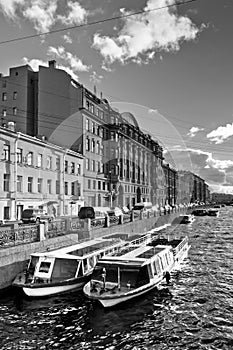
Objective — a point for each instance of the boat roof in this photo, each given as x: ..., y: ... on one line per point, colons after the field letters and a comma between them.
x: 81, y: 250
x: 135, y: 256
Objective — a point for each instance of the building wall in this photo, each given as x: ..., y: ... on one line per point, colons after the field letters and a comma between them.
x: 25, y: 160
x: 19, y: 104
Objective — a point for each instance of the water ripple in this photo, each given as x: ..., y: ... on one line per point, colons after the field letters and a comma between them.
x: 195, y: 314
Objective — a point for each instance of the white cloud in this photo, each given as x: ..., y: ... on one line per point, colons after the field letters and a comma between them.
x: 67, y: 57
x: 42, y: 14
x: 9, y: 7
x: 147, y: 33
x: 76, y: 14
x: 96, y: 78
x: 221, y: 133
x: 34, y: 63
x: 193, y: 131
x: 67, y: 38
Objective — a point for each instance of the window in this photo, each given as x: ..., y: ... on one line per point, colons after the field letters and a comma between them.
x: 103, y: 186
x: 101, y: 114
x: 30, y: 183
x: 19, y: 155
x: 29, y: 158
x: 49, y: 162
x: 66, y: 188
x: 93, y: 145
x: 57, y: 187
x: 4, y: 112
x: 87, y: 125
x: 14, y: 95
x: 19, y: 183
x: 78, y: 186
x: 4, y: 83
x: 97, y: 147
x: 99, y: 185
x: 87, y: 164
x: 39, y: 185
x: 72, y: 167
x: 58, y: 161
x: 89, y: 184
x: 4, y: 96
x: 98, y: 167
x: 79, y: 169
x: 14, y: 110
x: 39, y: 160
x: 49, y: 186
x: 87, y: 144
x: 94, y: 184
x: 6, y: 182
x: 72, y: 188
x: 93, y: 165
x: 66, y: 166
x: 93, y: 127
x: 6, y: 152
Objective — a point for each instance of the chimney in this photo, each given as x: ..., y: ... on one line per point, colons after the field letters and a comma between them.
x: 11, y: 126
x: 52, y: 64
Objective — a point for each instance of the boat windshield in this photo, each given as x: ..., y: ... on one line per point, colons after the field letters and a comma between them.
x: 64, y: 268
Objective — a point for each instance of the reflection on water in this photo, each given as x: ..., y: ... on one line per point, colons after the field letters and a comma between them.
x: 195, y: 312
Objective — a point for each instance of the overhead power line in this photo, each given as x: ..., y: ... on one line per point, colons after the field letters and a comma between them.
x: 83, y: 25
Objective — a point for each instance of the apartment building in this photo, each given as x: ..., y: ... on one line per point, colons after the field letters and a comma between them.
x: 37, y: 174
x: 192, y: 188
x: 122, y: 166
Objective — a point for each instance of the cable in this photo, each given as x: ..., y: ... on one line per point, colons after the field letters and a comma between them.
x: 83, y: 25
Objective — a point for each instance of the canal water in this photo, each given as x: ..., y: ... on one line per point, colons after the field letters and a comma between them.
x: 194, y: 312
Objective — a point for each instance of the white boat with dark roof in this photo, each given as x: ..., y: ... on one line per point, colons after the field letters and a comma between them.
x: 134, y: 270
x: 64, y: 269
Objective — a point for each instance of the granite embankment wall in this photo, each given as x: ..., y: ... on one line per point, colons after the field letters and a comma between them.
x: 14, y: 259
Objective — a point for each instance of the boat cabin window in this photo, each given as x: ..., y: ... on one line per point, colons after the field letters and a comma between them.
x: 92, y: 262
x: 143, y: 277
x: 128, y: 276
x: 80, y: 269
x: 97, y: 273
x: 64, y: 268
x: 44, y: 267
x: 85, y: 265
x: 32, y: 264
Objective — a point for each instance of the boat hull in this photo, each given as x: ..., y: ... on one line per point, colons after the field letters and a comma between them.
x: 113, y: 301
x: 37, y: 290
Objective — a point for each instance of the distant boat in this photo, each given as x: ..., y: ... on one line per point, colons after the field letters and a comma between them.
x: 134, y: 270
x: 213, y: 212
x: 64, y: 269
x: 184, y: 219
x: 199, y: 212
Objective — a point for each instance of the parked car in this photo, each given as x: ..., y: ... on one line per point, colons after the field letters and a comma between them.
x: 35, y: 216
x: 142, y: 207
x: 115, y: 212
x: 86, y: 213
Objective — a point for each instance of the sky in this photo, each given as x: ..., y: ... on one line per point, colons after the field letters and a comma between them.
x: 170, y: 64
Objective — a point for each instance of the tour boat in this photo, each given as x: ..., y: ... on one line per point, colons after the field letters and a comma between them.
x: 64, y: 269
x: 134, y: 270
x: 184, y: 219
x: 213, y: 212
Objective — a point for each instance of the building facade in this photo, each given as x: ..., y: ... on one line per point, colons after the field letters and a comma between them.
x: 122, y: 164
x: 38, y: 174
x: 192, y: 188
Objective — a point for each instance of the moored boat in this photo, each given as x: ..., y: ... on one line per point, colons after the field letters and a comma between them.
x: 184, y: 219
x: 213, y: 212
x: 64, y: 269
x: 134, y: 270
